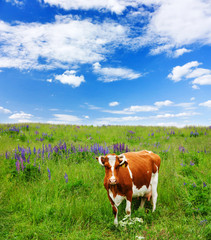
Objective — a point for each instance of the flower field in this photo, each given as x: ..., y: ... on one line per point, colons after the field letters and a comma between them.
x: 52, y: 185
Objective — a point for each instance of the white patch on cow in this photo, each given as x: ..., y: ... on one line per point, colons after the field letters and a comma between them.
x: 148, y: 151
x: 99, y: 160
x: 118, y: 199
x: 131, y: 175
x: 112, y: 161
x: 141, y: 191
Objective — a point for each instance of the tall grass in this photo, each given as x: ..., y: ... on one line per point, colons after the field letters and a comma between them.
x: 52, y: 186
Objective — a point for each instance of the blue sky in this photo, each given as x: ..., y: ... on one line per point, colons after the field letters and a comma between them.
x: 124, y: 62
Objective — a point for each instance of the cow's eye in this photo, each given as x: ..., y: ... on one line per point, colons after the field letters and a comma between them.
x: 106, y: 167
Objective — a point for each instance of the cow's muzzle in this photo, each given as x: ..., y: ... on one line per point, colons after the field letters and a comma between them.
x: 112, y: 181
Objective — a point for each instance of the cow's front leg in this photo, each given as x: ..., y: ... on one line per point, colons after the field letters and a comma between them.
x: 115, y: 212
x: 128, y: 203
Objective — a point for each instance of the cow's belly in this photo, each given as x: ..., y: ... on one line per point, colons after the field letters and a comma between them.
x: 141, y: 192
x: 117, y: 199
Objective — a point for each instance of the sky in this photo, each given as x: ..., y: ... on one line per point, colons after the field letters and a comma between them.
x: 106, y: 62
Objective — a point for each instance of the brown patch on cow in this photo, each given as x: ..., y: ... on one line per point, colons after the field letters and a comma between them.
x: 142, y: 164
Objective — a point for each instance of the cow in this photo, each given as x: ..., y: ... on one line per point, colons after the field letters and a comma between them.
x: 131, y: 174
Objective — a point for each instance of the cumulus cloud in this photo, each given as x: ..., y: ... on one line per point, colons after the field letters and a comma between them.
x: 200, y: 76
x: 65, y: 119
x: 178, y: 23
x: 179, y: 72
x: 21, y: 117
x: 66, y: 41
x: 206, y: 104
x: 113, y: 104
x: 163, y: 103
x: 133, y: 110
x: 4, y: 110
x: 109, y: 74
x: 180, y: 52
x: 69, y: 77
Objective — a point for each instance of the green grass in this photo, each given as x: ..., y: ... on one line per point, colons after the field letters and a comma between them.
x: 32, y: 206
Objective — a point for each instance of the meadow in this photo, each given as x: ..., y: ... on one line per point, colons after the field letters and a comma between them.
x: 51, y: 185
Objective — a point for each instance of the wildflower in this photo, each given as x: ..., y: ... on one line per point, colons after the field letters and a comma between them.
x: 22, y: 166
x: 18, y: 166
x: 192, y: 163
x: 194, y: 185
x: 204, y: 184
x: 49, y: 174
x: 66, y: 177
x: 203, y: 221
x: 185, y: 183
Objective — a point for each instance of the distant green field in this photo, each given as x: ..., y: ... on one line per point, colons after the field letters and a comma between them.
x: 52, y: 186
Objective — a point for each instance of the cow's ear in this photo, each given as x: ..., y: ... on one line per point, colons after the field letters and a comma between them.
x: 101, y: 160
x: 122, y: 160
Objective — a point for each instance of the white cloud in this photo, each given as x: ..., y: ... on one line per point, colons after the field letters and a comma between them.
x: 187, y: 105
x: 49, y: 80
x: 192, y: 99
x: 141, y: 109
x: 203, y: 80
x: 113, y: 104
x: 163, y: 103
x: 195, y: 87
x: 63, y: 43
x: 69, y: 77
x: 110, y: 5
x: 4, y: 110
x: 16, y: 2
x: 179, y: 72
x: 65, y: 119
x: 181, y: 51
x: 135, y: 119
x: 21, y: 117
x: 133, y: 110
x: 178, y: 23
x: 206, y: 104
x: 109, y: 74
x: 190, y: 70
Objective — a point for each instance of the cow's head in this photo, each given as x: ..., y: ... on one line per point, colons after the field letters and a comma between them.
x: 112, y: 163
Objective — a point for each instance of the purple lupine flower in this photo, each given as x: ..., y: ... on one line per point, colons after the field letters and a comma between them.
x: 152, y: 134
x: 185, y: 183
x: 49, y: 174
x: 66, y: 177
x: 204, y: 184
x: 17, y: 166
x: 192, y: 163
x: 203, y: 221
x: 28, y: 159
x: 34, y: 150
x: 22, y: 166
x: 194, y: 185
x: 6, y: 155
x: 30, y: 151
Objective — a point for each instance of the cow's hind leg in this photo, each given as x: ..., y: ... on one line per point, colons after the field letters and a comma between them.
x: 154, y: 190
x: 143, y: 200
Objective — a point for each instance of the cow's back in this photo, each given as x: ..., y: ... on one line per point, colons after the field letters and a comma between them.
x: 142, y: 165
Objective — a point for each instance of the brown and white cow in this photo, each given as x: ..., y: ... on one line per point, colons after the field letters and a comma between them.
x: 132, y: 174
